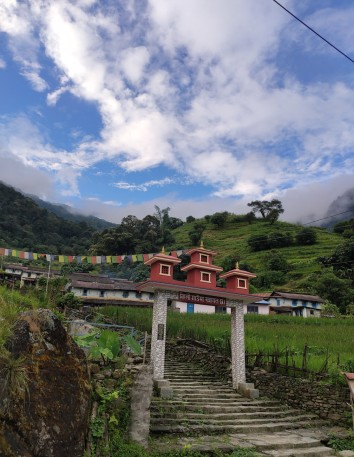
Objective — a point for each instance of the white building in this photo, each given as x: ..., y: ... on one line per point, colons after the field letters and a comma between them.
x: 102, y: 291
x: 27, y: 275
x: 259, y: 307
x: 295, y: 304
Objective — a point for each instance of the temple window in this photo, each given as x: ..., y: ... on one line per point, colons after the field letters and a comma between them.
x: 205, y: 277
x: 241, y: 283
x: 204, y: 258
x: 165, y: 270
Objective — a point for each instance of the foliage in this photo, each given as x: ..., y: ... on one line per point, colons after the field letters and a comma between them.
x: 342, y: 260
x: 350, y: 309
x: 14, y: 379
x: 276, y: 261
x: 66, y: 212
x: 342, y: 444
x: 133, y: 271
x: 345, y: 228
x: 249, y: 217
x: 13, y: 376
x: 229, y: 262
x: 270, y: 210
x: 219, y: 219
x: 272, y: 240
x: 166, y: 224
x: 131, y: 342
x: 29, y: 227
x: 269, y: 279
x: 196, y: 232
x: 69, y: 300
x: 306, y: 236
x: 332, y: 288
x: 104, y: 344
x: 135, y: 235
x: 329, y: 310
x: 190, y: 219
x: 73, y: 267
x: 50, y: 290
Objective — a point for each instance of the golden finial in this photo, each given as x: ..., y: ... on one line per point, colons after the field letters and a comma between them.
x: 163, y: 250
x: 237, y: 266
x: 202, y: 244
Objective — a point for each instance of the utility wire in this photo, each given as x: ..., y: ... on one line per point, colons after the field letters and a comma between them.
x: 327, y: 217
x: 314, y: 31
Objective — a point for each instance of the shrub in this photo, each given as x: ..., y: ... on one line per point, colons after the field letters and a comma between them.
x: 306, y: 236
x: 219, y: 219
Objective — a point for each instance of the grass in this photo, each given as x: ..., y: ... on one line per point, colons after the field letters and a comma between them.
x: 232, y: 238
x: 332, y: 338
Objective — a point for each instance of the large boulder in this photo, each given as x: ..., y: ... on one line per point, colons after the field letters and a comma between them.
x: 45, y: 395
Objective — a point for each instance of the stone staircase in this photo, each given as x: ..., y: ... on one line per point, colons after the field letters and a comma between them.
x: 203, y: 405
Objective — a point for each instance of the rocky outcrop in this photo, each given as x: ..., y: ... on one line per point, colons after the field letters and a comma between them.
x: 45, y: 395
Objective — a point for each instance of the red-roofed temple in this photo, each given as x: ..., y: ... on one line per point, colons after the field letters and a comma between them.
x: 199, y: 287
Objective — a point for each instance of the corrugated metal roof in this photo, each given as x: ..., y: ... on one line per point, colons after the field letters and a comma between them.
x: 112, y: 285
x: 294, y: 296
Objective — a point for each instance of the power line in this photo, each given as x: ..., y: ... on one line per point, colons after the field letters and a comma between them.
x: 328, y: 217
x: 314, y: 31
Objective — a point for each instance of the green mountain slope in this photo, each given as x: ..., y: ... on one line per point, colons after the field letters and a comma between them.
x: 24, y: 225
x: 232, y: 240
x: 66, y: 212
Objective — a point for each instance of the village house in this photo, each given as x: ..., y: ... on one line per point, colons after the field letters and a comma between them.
x: 258, y: 307
x: 295, y: 304
x: 103, y: 290
x: 25, y: 275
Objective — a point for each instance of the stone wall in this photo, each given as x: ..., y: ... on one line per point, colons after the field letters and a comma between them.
x: 329, y: 401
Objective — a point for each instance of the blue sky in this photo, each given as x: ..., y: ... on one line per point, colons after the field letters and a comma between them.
x: 114, y: 107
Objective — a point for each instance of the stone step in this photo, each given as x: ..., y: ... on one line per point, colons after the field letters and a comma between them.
x: 283, y: 440
x: 221, y: 388
x: 320, y: 451
x: 206, y: 394
x: 193, y: 380
x: 226, y: 416
x: 233, y: 406
x: 269, y: 427
x: 202, y: 385
x: 211, y: 420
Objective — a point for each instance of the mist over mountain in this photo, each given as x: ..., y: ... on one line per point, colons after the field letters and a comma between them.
x: 343, y: 204
x: 68, y: 213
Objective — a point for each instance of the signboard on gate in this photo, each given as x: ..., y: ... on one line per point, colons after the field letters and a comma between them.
x: 201, y: 299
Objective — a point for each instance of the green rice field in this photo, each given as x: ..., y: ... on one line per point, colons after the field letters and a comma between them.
x: 326, y: 339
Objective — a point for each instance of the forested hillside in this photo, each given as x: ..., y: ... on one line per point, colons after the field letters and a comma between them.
x: 65, y: 212
x: 25, y: 226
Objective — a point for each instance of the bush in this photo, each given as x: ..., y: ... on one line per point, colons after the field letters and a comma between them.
x: 306, y: 236
x: 219, y: 219
x: 258, y: 242
x: 269, y: 279
x: 273, y: 240
x: 275, y: 261
x: 190, y: 219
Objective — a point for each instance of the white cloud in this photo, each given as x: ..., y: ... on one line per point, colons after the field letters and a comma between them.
x: 144, y: 186
x: 134, y: 61
x: 2, y: 63
x: 191, y: 85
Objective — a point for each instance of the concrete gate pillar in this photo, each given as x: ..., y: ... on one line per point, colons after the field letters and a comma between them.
x: 237, y: 344
x: 158, y: 332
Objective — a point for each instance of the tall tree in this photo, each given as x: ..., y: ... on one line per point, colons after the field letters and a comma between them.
x: 270, y: 210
